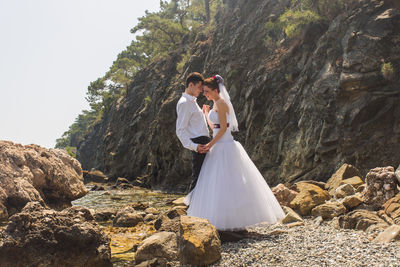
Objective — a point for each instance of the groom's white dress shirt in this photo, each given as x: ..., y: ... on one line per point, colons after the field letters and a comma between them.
x: 191, y: 122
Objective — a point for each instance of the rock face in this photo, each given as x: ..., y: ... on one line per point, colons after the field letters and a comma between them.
x: 381, y: 185
x: 304, y: 108
x: 198, y: 242
x: 32, y: 173
x: 42, y: 237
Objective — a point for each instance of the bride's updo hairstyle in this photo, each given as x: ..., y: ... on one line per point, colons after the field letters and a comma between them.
x: 213, y: 82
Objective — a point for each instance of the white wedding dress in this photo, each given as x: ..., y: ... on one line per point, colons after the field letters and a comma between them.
x: 230, y: 191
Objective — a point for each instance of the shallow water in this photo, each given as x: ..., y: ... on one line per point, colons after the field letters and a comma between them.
x: 119, y: 198
x: 124, y: 239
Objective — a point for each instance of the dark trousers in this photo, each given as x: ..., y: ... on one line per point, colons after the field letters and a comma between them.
x: 197, y: 160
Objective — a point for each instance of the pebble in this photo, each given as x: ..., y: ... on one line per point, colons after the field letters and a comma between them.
x: 308, y: 245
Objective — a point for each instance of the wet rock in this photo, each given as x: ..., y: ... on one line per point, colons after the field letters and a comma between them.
x: 346, y: 171
x: 360, y: 219
x: 97, y: 188
x: 32, y: 173
x: 149, y: 218
x: 291, y: 216
x: 176, y: 212
x: 329, y: 210
x: 283, y: 194
x: 127, y: 217
x: 351, y: 202
x: 152, y: 211
x: 162, y: 245
x: 102, y: 215
x: 199, y: 243
x: 41, y: 237
x: 179, y: 202
x: 95, y: 176
x: 139, y: 205
x: 381, y: 185
x: 309, y: 197
x: 122, y: 184
x: 344, y: 190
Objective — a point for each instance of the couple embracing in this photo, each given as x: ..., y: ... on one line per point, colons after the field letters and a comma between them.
x: 227, y: 188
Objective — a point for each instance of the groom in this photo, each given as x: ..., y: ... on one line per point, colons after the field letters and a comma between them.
x: 191, y: 125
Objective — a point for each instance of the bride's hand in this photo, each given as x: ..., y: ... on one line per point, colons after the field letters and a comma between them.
x: 208, y: 146
x: 206, y: 109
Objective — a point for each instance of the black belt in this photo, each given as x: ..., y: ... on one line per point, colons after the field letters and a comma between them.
x: 216, y: 126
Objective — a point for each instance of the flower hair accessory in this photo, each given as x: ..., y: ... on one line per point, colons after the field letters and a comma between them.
x: 218, y: 78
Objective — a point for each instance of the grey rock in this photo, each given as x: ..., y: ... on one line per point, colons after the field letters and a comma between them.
x: 41, y: 237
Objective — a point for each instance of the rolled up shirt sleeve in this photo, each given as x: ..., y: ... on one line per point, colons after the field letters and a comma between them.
x: 182, y: 123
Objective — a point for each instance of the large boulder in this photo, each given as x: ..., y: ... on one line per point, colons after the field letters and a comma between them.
x: 32, y: 173
x: 309, y: 197
x: 381, y: 185
x: 198, y: 242
x: 162, y: 245
x: 41, y: 237
x: 346, y: 171
x: 360, y: 219
x: 283, y: 194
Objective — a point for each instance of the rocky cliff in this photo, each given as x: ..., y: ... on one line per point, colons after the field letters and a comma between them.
x: 304, y: 108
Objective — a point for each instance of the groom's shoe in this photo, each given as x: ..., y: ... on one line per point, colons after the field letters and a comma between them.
x: 229, y: 236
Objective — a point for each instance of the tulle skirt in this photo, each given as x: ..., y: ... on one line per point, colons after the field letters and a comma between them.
x: 230, y: 192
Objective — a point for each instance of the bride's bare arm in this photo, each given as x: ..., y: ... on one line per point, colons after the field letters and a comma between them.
x: 222, y: 111
x: 206, y: 111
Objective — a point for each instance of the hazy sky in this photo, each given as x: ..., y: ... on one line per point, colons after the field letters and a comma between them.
x: 50, y: 50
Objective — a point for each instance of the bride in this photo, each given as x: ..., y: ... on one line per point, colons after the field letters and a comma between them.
x: 231, y: 193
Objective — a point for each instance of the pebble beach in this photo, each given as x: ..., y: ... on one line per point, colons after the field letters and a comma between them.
x: 309, y: 245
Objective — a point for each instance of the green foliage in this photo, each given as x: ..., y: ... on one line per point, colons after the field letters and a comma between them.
x: 301, y: 13
x: 387, y: 71
x: 184, y: 60
x: 293, y: 21
x: 147, y: 99
x: 71, y: 151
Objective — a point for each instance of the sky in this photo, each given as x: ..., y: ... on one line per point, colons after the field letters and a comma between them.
x: 50, y: 51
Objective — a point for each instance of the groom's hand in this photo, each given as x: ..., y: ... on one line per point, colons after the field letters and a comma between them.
x: 202, y: 149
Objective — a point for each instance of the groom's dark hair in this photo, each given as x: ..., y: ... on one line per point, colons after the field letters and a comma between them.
x: 195, y: 78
